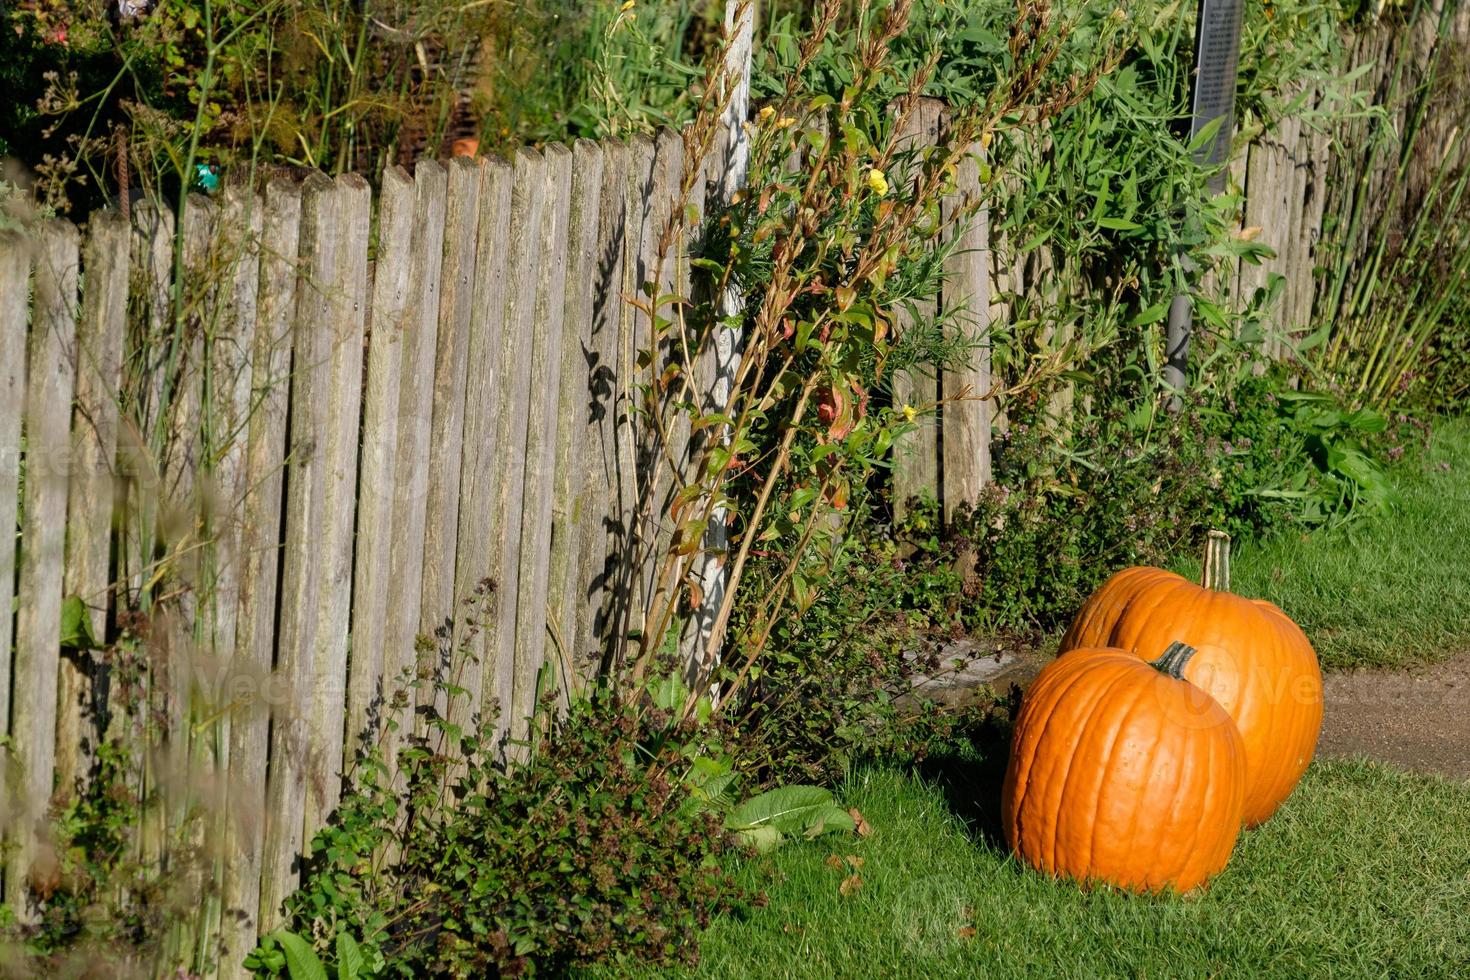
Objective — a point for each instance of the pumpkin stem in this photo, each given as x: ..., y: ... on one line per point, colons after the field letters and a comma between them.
x: 1217, y: 562
x: 1175, y: 659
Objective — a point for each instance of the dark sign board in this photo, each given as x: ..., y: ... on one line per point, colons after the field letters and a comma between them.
x: 1217, y: 52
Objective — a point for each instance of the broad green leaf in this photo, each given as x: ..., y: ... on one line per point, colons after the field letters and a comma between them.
x: 763, y: 838
x: 790, y: 809
x: 1153, y: 314
x: 76, y: 625
x: 350, y: 961
x: 302, y: 963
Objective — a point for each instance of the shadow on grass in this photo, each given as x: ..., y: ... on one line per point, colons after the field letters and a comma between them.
x: 971, y: 779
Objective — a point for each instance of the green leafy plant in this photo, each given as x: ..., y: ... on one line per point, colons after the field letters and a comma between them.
x: 605, y: 842
x: 301, y: 961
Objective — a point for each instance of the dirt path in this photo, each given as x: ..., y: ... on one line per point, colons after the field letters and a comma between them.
x: 1418, y: 719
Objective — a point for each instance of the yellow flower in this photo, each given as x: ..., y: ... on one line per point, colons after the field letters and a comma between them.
x: 878, y: 181
x: 627, y: 6
x: 766, y: 113
x: 785, y: 121
x: 910, y: 412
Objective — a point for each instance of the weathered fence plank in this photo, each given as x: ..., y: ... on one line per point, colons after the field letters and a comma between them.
x: 669, y: 436
x: 965, y: 424
x: 1313, y: 211
x: 50, y: 382
x: 544, y: 397
x: 231, y: 356
x: 1289, y: 222
x: 600, y: 532
x: 415, y: 430
x: 1259, y: 213
x: 446, y: 434
x: 100, y: 332
x: 229, y: 347
x: 574, y: 493
x: 387, y: 334
x: 189, y: 768
x: 301, y: 577
x: 634, y: 449
x: 527, y: 210
x: 255, y: 691
x: 151, y: 273
x: 916, y: 454
x: 481, y: 470
x: 15, y: 274
x: 334, y: 542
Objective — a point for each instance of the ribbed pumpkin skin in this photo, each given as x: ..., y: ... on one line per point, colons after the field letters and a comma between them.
x: 1252, y: 659
x: 1121, y: 774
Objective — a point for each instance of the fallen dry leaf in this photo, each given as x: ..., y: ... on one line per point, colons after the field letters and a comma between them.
x: 850, y: 884
x: 855, y: 861
x: 968, y: 932
x: 864, y: 829
x: 834, y: 862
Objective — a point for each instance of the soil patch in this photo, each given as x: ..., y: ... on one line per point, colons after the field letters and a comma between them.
x: 1418, y: 719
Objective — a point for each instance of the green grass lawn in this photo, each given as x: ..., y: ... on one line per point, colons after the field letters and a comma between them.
x: 1388, y: 590
x: 1365, y: 872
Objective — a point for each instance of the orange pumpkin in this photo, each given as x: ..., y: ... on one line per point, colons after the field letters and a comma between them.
x: 1252, y: 659
x: 1123, y: 772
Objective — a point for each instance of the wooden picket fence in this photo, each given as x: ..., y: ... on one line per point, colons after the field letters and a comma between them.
x: 300, y: 442
x: 313, y: 463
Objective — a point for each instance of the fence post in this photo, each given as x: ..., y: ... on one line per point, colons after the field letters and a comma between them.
x: 916, y: 454
x: 729, y: 341
x: 965, y: 426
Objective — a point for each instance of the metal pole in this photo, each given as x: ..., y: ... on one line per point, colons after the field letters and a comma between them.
x: 1216, y: 62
